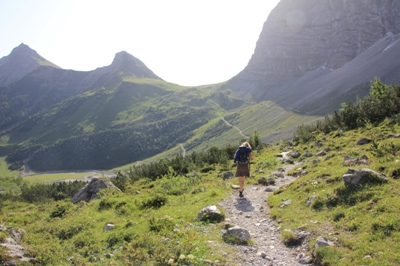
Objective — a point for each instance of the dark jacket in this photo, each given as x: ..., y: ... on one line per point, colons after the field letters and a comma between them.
x: 236, y: 157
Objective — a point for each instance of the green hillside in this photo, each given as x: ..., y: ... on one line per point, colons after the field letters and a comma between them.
x: 357, y: 219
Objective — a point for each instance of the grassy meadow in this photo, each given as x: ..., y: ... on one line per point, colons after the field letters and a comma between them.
x: 156, y: 220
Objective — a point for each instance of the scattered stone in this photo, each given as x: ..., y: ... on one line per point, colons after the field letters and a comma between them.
x: 303, y: 234
x: 355, y: 161
x: 307, y: 154
x: 287, y: 160
x: 108, y: 227
x: 270, y: 189
x: 262, y: 254
x: 278, y: 174
x: 11, y: 244
x: 317, y: 144
x: 363, y: 141
x: 285, y: 203
x: 323, y: 242
x: 304, y: 172
x: 236, y: 235
x: 227, y: 175
x: 271, y: 181
x: 306, y: 260
x: 211, y: 214
x: 310, y: 200
x: 235, y: 186
x: 263, y: 181
x: 323, y: 152
x: 295, y: 154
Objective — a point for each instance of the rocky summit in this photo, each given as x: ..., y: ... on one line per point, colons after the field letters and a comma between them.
x: 309, y: 43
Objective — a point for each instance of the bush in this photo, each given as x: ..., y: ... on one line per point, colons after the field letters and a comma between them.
x: 59, y: 212
x: 155, y: 202
x: 160, y: 224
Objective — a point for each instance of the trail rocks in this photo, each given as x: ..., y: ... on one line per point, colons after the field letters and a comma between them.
x: 250, y: 213
x: 89, y: 192
x: 236, y: 235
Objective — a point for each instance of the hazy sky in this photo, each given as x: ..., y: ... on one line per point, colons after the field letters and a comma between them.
x: 182, y: 41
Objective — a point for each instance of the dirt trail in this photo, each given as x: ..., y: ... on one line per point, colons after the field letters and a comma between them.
x: 252, y: 213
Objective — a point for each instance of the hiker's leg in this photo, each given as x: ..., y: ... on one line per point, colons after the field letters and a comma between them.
x: 241, y: 182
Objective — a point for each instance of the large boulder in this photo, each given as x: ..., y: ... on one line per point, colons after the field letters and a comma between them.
x: 89, y: 192
x: 362, y: 176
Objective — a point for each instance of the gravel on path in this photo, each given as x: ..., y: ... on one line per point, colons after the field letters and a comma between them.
x: 252, y: 213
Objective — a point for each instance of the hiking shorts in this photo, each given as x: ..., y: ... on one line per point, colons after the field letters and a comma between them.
x: 243, y: 170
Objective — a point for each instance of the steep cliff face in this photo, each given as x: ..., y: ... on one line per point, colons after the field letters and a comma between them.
x: 301, y: 36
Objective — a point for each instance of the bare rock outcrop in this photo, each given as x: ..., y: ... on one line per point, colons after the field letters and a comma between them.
x: 89, y: 192
x: 306, y: 45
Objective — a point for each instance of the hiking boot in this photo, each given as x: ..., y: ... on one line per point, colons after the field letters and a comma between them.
x: 241, y: 194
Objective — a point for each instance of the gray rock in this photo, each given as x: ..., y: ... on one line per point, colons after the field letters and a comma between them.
x: 363, y: 141
x: 306, y: 260
x: 227, y: 175
x: 89, y: 192
x: 310, y: 200
x: 237, y: 235
x: 270, y: 189
x: 211, y: 214
x: 295, y: 154
x: 317, y: 144
x: 285, y: 203
x: 323, y: 242
x: 108, y: 227
x: 327, y: 35
x: 278, y: 174
x: 365, y: 175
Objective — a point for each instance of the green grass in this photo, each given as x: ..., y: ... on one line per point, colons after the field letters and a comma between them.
x: 48, y: 178
x: 4, y: 171
x: 155, y: 221
x: 357, y: 219
x: 142, y: 234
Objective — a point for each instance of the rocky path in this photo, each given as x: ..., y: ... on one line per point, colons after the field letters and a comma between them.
x: 252, y: 213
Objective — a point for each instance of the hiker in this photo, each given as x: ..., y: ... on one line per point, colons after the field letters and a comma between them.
x: 242, y: 158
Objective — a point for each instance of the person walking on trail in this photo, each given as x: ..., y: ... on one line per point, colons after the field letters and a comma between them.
x: 242, y: 158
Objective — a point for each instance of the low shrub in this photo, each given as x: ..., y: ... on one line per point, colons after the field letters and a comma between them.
x: 155, y: 202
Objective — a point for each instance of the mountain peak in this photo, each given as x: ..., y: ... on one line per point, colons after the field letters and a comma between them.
x: 20, y: 62
x: 130, y: 65
x: 24, y: 49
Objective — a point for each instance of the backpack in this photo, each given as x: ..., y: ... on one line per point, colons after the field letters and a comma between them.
x: 243, y: 156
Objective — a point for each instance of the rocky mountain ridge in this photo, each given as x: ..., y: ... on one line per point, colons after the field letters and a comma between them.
x: 304, y: 40
x: 21, y: 61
